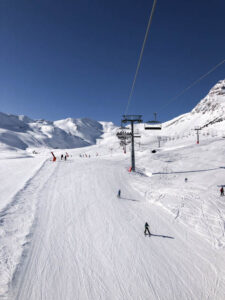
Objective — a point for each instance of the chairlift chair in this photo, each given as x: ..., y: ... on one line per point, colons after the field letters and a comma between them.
x: 123, y: 133
x: 153, y: 125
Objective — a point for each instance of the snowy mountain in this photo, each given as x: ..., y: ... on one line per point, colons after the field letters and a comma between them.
x: 209, y: 113
x: 22, y: 132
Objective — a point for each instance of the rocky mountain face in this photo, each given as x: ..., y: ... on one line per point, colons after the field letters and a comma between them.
x: 214, y: 102
x: 208, y: 113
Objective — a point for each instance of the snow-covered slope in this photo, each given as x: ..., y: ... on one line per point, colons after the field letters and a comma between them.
x: 21, y: 132
x: 65, y: 235
x: 86, y: 129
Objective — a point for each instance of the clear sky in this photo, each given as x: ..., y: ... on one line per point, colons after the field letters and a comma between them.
x: 77, y: 58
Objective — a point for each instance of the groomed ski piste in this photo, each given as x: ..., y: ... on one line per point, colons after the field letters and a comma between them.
x: 64, y: 234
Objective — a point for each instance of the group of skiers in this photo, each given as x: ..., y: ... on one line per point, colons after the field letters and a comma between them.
x: 86, y: 155
x: 64, y: 156
x: 147, y: 231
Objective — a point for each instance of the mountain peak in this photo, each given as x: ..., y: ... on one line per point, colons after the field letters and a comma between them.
x: 218, y: 89
x: 214, y: 102
x: 208, y: 113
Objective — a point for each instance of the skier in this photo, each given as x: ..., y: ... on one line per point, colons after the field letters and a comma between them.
x: 119, y: 193
x: 221, y: 191
x: 65, y: 157
x: 61, y: 156
x: 147, y: 231
x: 185, y: 179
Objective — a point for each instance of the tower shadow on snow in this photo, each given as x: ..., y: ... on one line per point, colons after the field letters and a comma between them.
x: 181, y: 172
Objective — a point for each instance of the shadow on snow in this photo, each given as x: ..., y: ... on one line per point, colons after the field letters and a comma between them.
x: 178, y: 172
x: 162, y: 236
x: 129, y: 199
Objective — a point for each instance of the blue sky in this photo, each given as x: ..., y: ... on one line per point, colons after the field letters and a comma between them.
x: 71, y: 58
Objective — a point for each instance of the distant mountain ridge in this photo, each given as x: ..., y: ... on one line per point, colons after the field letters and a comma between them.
x: 22, y: 132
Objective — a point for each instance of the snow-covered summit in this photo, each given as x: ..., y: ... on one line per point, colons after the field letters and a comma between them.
x: 209, y: 113
x: 86, y: 129
x: 13, y: 122
x: 214, y: 102
x: 21, y: 132
x: 218, y: 89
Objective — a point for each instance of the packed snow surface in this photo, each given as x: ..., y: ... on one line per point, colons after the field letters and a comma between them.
x: 65, y: 234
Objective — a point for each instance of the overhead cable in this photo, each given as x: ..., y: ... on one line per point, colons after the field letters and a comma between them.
x: 192, y: 84
x: 141, y: 54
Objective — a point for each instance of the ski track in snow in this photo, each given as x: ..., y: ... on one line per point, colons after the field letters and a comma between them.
x: 196, y: 203
x: 16, y: 221
x: 88, y: 244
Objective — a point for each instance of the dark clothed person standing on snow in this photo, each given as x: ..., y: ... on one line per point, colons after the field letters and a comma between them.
x: 147, y: 231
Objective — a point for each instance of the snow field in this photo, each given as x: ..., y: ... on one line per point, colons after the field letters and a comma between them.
x: 16, y: 221
x: 196, y: 203
x: 16, y: 169
x: 65, y: 235
x: 88, y: 244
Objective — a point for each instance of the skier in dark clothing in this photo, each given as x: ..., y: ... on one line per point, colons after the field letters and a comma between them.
x: 119, y: 193
x: 61, y: 156
x: 65, y: 157
x: 147, y: 231
x: 221, y: 191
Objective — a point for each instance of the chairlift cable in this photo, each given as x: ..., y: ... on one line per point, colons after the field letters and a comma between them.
x: 140, y: 56
x: 192, y: 84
